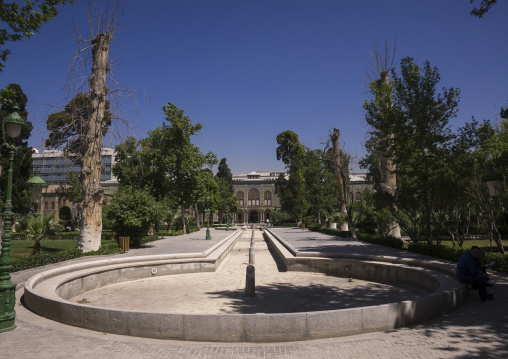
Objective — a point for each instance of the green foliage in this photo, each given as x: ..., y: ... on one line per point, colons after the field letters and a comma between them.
x: 71, y: 191
x: 68, y: 126
x: 167, y: 163
x: 130, y: 166
x: 289, y: 150
x: 320, y: 185
x: 22, y: 165
x: 335, y: 232
x: 39, y: 228
x: 279, y: 217
x: 485, y: 6
x: 291, y: 190
x: 133, y: 211
x: 224, y: 172
x: 417, y: 117
x: 22, y: 21
x: 387, y: 241
x: 27, y: 262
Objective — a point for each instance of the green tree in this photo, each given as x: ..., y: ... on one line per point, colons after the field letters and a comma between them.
x: 22, y: 21
x: 291, y: 152
x: 67, y: 127
x: 22, y: 165
x: 321, y: 190
x: 129, y: 167
x: 133, y: 210
x: 176, y: 159
x: 472, y: 156
x: 224, y: 172
x: 419, y: 121
x: 226, y: 201
x: 225, y: 182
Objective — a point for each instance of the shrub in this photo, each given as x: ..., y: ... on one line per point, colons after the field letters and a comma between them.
x: 315, y: 226
x: 336, y: 232
x: 67, y: 235
x: 22, y: 263
x: 33, y: 261
x: 387, y: 241
x: 108, y: 236
x: 133, y: 211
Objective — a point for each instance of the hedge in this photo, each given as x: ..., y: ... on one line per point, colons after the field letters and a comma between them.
x: 453, y: 254
x: 387, y: 241
x: 22, y: 263
x: 106, y: 235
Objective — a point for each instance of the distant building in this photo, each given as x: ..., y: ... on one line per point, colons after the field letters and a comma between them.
x: 53, y: 166
x: 358, y: 184
x: 255, y: 193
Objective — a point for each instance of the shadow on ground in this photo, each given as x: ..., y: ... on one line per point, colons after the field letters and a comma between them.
x: 289, y: 298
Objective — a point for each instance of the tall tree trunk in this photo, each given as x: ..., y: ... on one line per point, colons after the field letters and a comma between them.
x: 386, y: 165
x: 182, y: 208
x: 91, y: 164
x: 197, y: 215
x: 337, y: 169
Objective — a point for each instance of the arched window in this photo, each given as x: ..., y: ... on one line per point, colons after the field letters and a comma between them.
x: 358, y: 196
x: 253, y: 197
x: 239, y: 196
x: 268, y: 198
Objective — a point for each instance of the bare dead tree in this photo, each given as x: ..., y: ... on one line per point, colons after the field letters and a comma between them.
x: 381, y: 63
x: 340, y: 161
x: 103, y: 23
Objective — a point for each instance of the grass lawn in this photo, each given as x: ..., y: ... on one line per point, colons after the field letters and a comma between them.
x: 482, y: 243
x: 20, y: 248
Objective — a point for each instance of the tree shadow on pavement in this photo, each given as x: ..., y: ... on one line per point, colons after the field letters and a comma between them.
x: 290, y: 298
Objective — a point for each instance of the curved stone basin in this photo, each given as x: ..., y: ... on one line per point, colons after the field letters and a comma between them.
x: 48, y: 292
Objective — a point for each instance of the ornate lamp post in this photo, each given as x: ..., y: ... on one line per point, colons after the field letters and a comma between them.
x: 207, y: 212
x: 36, y: 184
x: 11, y: 126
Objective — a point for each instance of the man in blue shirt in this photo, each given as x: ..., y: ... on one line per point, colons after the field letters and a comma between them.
x: 469, y: 272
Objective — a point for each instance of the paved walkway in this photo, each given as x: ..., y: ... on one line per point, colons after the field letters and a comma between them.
x: 477, y: 330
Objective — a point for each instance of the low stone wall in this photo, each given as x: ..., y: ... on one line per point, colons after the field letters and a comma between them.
x: 46, y: 292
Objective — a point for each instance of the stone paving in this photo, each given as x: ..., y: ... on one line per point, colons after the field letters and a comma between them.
x: 477, y: 330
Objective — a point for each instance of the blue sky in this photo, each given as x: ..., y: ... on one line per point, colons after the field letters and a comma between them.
x: 248, y: 70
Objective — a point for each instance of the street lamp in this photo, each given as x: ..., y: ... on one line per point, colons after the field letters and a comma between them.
x: 207, y: 212
x: 11, y: 126
x: 36, y: 184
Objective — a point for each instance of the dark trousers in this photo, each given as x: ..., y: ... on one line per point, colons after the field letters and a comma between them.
x: 476, y: 280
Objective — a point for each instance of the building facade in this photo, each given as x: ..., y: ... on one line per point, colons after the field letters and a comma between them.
x: 53, y: 166
x: 255, y: 193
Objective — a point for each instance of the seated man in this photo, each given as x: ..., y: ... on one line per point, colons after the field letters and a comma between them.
x: 468, y: 272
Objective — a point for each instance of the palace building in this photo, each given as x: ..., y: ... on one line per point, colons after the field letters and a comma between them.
x: 255, y: 193
x: 256, y: 197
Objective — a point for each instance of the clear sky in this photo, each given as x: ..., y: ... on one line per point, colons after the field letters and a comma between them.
x: 248, y: 70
